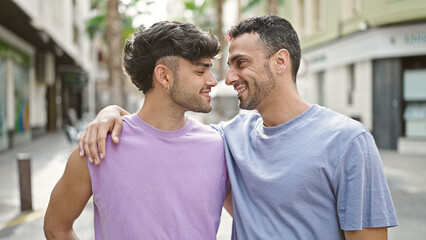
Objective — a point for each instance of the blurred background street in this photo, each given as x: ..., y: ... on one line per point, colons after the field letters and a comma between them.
x: 58, y: 68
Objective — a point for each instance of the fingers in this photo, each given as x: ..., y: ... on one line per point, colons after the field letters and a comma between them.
x: 93, y: 146
x: 80, y: 143
x: 116, y: 130
x: 86, y: 144
x: 101, y: 140
x: 92, y: 141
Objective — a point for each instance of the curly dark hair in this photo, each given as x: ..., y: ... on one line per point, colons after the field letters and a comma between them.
x: 165, y: 39
x: 275, y: 33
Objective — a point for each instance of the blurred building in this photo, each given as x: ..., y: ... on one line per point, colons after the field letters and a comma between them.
x: 364, y: 59
x: 367, y: 60
x: 45, y: 66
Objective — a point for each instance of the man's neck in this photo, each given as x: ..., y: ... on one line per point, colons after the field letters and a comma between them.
x: 282, y: 106
x: 162, y: 115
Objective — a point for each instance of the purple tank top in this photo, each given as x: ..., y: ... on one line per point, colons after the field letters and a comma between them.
x: 159, y: 184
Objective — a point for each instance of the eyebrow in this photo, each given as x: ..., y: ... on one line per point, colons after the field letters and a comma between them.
x: 235, y: 58
x: 202, y: 64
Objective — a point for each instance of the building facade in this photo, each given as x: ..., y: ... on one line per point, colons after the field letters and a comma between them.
x: 367, y: 60
x: 45, y: 66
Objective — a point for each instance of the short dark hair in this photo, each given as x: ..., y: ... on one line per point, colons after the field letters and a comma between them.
x: 275, y: 33
x: 164, y: 39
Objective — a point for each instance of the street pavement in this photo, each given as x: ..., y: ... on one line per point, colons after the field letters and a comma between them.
x: 405, y: 174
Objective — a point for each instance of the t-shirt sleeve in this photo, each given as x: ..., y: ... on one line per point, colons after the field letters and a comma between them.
x: 360, y: 186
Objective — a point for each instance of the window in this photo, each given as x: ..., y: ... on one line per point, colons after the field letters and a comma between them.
x: 75, y: 34
x: 414, y: 95
x: 310, y: 16
x: 316, y: 15
x: 22, y: 120
x: 301, y: 16
x: 350, y: 9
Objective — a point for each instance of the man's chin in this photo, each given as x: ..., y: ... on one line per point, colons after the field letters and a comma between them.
x: 247, y: 105
x: 203, y: 110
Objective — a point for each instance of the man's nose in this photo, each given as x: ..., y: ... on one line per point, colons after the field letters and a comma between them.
x: 231, y: 77
x: 211, y: 80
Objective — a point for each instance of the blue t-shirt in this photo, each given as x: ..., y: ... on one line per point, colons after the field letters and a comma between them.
x: 310, y: 178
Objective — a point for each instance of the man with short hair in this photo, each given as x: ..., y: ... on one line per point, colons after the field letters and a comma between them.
x: 297, y: 170
x: 171, y: 180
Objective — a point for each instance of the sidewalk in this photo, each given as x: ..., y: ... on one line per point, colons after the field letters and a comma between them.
x: 405, y: 174
x: 49, y: 154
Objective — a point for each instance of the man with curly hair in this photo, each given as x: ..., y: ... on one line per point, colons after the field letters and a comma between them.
x: 167, y: 179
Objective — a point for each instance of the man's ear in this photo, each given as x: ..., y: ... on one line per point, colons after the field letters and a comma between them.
x: 282, y: 61
x: 163, y: 75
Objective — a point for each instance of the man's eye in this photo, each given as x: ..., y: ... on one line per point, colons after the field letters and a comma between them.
x: 201, y: 73
x: 239, y: 62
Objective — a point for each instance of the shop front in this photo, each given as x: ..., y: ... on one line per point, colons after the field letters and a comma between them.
x: 413, y: 139
x: 397, y: 80
x: 21, y: 129
x: 14, y: 96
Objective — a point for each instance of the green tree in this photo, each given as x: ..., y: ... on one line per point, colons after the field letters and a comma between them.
x: 114, y: 40
x: 98, y: 23
x: 272, y: 6
x: 208, y: 15
x: 114, y: 26
x: 219, y: 31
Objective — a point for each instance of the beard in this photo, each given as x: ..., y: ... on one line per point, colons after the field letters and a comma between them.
x: 190, y: 101
x: 259, y: 90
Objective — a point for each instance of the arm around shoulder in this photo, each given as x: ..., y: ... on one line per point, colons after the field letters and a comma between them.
x: 68, y: 199
x: 92, y: 140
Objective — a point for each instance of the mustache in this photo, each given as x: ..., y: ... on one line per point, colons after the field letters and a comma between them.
x: 206, y: 88
x: 241, y: 82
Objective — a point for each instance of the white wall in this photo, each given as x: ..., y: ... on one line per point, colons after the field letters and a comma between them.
x: 336, y: 90
x: 29, y: 6
x: 38, y: 103
x: 307, y: 87
x: 364, y: 93
x: 85, y: 43
x: 55, y: 17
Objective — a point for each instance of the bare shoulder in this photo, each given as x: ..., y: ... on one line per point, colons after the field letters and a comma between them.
x: 76, y: 166
x: 76, y: 177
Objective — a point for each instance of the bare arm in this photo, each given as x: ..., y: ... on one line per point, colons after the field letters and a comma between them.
x: 92, y: 140
x: 367, y: 234
x: 68, y: 199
